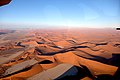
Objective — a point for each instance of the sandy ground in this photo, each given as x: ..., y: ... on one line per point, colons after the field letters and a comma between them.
x: 76, y: 54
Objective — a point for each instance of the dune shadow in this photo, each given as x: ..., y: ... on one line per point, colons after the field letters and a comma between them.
x: 104, y: 77
x: 115, y: 60
x: 83, y: 71
x: 45, y: 62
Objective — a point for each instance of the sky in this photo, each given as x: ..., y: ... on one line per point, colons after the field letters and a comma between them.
x: 61, y: 13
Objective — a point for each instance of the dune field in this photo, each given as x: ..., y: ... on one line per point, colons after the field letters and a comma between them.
x: 60, y: 54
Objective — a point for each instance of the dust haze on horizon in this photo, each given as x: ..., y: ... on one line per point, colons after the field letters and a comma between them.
x: 50, y: 14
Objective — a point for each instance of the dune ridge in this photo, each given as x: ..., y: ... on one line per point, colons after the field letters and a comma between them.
x: 56, y: 55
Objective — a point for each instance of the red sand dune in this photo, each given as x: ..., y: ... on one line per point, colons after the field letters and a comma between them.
x: 76, y: 54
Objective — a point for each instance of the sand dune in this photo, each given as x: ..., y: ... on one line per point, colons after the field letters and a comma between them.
x: 46, y: 49
x: 96, y: 53
x: 110, y: 48
x: 86, y: 78
x: 77, y: 54
x: 55, y: 72
x: 34, y: 43
x: 97, y: 68
x: 29, y: 73
x: 51, y: 58
x: 48, y: 66
x: 7, y: 59
x: 20, y: 66
x: 62, y: 44
x: 67, y: 57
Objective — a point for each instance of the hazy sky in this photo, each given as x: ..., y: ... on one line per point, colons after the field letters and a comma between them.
x: 79, y: 13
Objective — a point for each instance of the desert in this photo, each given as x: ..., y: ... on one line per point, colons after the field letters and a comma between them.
x: 59, y: 54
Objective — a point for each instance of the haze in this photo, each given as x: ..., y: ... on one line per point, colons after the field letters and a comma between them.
x: 60, y: 13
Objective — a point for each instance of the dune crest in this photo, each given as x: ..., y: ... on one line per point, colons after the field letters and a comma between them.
x: 76, y: 54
